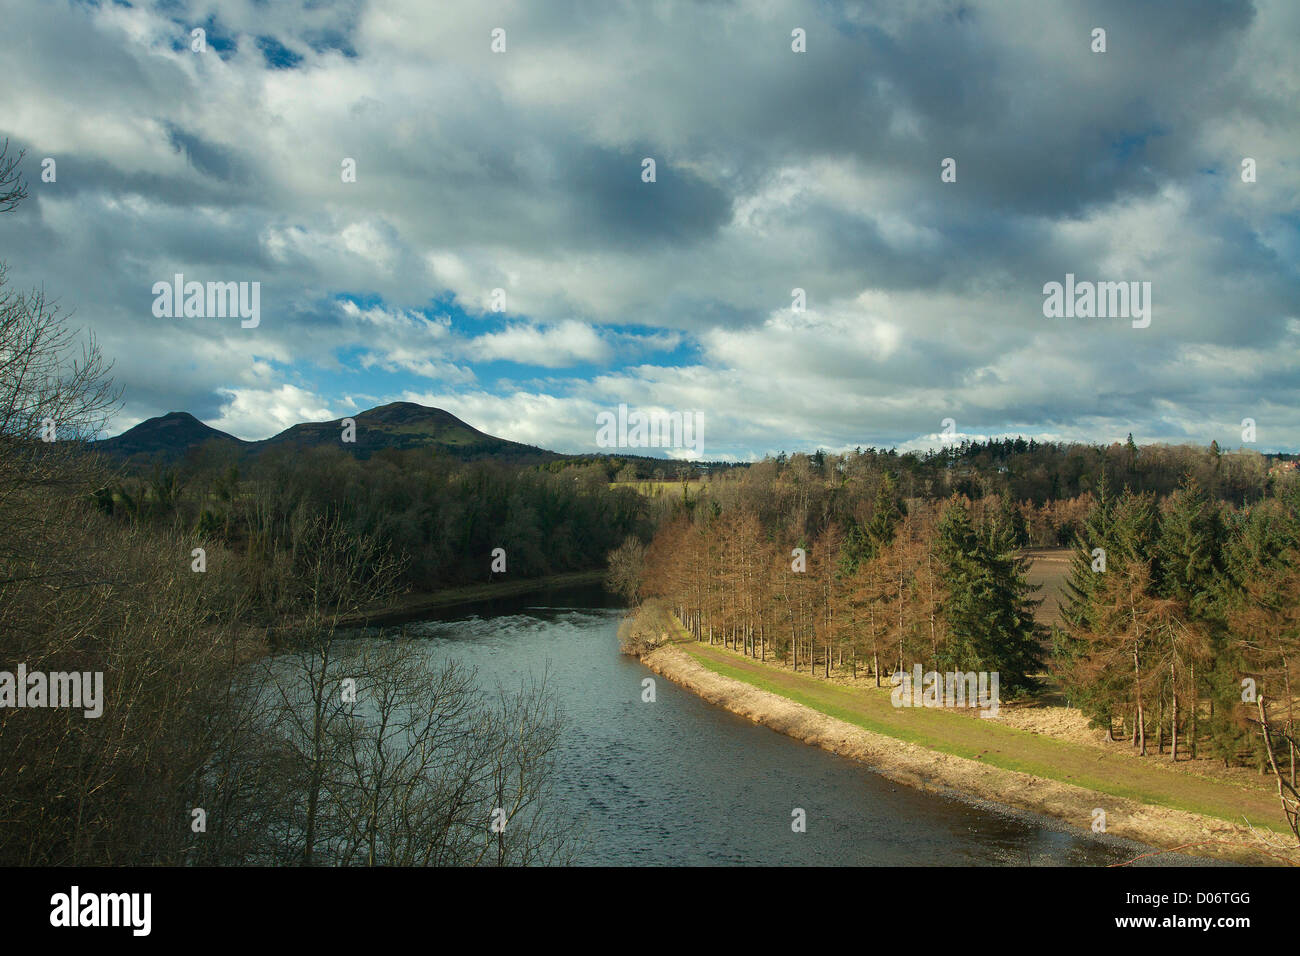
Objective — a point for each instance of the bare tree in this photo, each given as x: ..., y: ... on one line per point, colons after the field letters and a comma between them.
x: 13, y: 189
x: 1286, y: 789
x: 400, y: 761
x: 626, y: 567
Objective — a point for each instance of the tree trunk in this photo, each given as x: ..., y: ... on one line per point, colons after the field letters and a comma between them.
x: 1173, y: 719
x: 1140, y: 728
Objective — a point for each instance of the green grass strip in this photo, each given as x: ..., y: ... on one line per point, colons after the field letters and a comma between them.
x: 1000, y: 746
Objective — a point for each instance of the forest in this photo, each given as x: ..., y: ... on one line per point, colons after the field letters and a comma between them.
x: 439, y: 519
x: 1179, y: 628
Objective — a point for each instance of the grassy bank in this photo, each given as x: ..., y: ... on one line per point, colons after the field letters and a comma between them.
x: 1143, y: 799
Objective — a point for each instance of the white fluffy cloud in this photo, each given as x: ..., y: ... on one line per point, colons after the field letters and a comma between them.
x: 521, y: 171
x: 254, y: 414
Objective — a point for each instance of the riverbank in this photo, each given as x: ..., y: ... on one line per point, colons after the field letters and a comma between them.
x: 419, y: 604
x: 981, y: 759
x: 410, y: 607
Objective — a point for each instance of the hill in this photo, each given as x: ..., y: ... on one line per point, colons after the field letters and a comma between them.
x: 168, y: 437
x: 399, y: 425
x: 404, y: 425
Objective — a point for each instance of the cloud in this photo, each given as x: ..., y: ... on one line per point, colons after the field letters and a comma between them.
x: 521, y: 171
x: 567, y: 343
x: 254, y: 414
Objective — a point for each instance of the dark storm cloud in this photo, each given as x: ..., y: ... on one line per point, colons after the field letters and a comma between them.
x: 612, y: 205
x: 207, y: 158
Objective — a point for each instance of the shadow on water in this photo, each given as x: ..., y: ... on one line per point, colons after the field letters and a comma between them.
x: 678, y: 781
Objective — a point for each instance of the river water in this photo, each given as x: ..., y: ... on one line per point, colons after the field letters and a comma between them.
x: 681, y: 782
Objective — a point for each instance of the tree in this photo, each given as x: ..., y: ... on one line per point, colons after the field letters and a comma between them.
x: 1134, y: 628
x: 1187, y: 550
x: 886, y: 512
x: 13, y: 189
x: 1262, y: 610
x: 988, y: 610
x: 396, y: 761
x: 626, y: 565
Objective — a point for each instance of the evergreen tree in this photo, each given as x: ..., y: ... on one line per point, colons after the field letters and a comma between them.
x: 1007, y: 521
x: 989, y: 610
x: 1123, y: 529
x: 1257, y: 610
x: 886, y: 512
x: 1082, y: 580
x: 1187, y: 551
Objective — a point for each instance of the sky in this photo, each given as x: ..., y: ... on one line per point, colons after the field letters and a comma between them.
x: 822, y: 169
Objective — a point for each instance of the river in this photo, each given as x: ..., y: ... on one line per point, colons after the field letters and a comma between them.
x: 680, y: 782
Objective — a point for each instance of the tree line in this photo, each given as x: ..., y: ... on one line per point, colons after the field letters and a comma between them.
x: 1180, y: 624
x: 938, y: 583
x: 1027, y: 471
x: 1181, y: 615
x: 441, y: 519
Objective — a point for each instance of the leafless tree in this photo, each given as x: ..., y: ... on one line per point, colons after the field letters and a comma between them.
x: 1286, y: 789
x: 13, y: 189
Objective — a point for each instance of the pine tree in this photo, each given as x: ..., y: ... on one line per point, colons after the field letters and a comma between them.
x: 1260, y: 605
x: 1082, y: 580
x: 1130, y: 627
x: 886, y: 512
x: 1187, y: 551
x: 1079, y: 611
x: 1123, y: 645
x: 988, y: 609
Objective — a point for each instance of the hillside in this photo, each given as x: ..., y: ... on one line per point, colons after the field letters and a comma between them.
x: 399, y: 425
x: 168, y: 437
x: 404, y: 425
